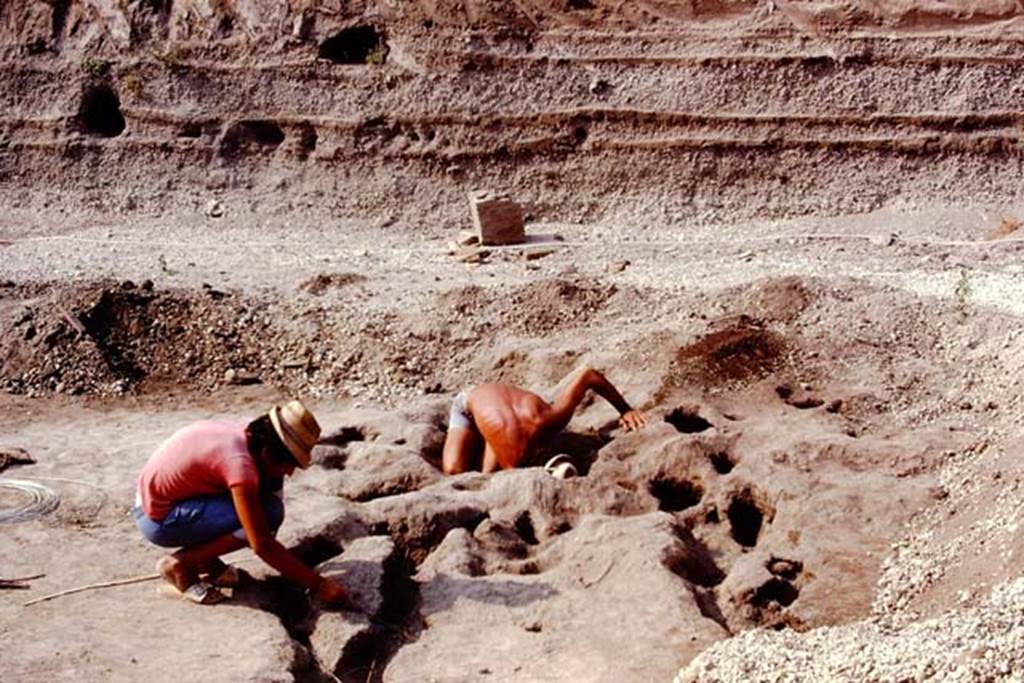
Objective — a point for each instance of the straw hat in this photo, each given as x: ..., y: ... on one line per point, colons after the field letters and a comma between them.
x: 298, y: 429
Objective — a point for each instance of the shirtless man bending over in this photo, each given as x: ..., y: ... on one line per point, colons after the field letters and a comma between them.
x: 499, y: 426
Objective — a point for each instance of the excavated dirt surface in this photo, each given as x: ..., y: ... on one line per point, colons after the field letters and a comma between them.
x: 831, y: 440
x: 789, y: 232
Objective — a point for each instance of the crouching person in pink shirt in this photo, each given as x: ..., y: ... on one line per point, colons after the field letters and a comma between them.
x: 215, y: 487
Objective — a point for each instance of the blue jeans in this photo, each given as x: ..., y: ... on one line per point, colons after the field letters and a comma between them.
x: 198, y: 520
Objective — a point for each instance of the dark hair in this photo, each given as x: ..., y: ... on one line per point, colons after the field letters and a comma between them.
x: 262, y: 435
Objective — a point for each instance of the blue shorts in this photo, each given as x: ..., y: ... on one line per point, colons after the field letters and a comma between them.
x: 198, y: 520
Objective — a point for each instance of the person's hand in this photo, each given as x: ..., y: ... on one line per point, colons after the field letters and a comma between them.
x: 333, y: 593
x: 632, y: 420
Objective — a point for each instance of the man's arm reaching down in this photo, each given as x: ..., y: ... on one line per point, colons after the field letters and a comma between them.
x: 567, y: 402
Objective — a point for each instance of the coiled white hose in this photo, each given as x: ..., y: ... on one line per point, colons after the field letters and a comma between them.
x: 42, y: 501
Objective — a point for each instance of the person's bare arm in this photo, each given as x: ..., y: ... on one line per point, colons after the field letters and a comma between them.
x: 567, y: 402
x: 270, y: 550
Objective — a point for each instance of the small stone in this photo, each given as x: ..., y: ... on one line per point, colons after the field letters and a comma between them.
x: 534, y: 254
x: 214, y: 209
x: 470, y: 255
x: 618, y: 266
x: 467, y: 238
x: 239, y: 377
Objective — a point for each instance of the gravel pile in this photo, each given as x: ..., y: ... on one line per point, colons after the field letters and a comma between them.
x: 984, y: 643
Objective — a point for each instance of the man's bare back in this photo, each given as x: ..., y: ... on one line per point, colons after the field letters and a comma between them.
x: 500, y: 426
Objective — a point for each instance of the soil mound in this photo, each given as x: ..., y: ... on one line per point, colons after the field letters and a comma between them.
x: 739, y: 351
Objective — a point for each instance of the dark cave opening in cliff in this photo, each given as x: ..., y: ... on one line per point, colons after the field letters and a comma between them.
x: 354, y: 45
x: 100, y: 112
x: 251, y: 137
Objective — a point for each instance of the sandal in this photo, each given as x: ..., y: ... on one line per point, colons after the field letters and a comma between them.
x: 231, y: 577
x: 201, y: 593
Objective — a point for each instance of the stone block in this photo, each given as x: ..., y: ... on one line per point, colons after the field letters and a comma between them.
x: 497, y: 219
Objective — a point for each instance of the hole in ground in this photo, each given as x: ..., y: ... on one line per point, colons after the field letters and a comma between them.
x: 316, y: 549
x: 803, y: 402
x: 775, y: 590
x: 331, y: 451
x: 707, y: 603
x: 787, y: 569
x: 695, y: 562
x: 675, y: 494
x: 99, y: 112
x: 524, y: 527
x: 806, y: 402
x: 686, y: 420
x: 290, y: 603
x: 345, y: 435
x: 722, y: 462
x: 745, y: 518
x: 399, y: 621
x: 417, y: 542
x: 354, y: 45
x: 561, y: 527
